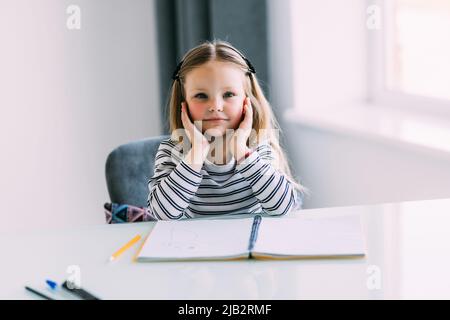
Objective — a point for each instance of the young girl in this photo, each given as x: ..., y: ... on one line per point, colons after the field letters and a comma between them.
x: 230, y: 160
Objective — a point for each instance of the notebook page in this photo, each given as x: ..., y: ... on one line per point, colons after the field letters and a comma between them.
x: 309, y: 236
x: 197, y: 239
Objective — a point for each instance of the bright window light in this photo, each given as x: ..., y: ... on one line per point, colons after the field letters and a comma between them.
x: 418, y: 48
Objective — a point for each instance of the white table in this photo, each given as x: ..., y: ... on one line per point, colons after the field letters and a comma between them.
x: 408, y: 257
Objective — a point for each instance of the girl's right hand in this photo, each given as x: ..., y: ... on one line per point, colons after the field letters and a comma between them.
x: 200, y: 144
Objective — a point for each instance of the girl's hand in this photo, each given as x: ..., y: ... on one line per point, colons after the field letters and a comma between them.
x: 200, y: 144
x: 238, y: 142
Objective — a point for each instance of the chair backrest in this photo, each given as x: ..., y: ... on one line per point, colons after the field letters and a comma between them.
x: 129, y: 167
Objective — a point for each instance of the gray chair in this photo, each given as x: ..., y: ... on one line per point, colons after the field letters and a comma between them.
x: 129, y: 167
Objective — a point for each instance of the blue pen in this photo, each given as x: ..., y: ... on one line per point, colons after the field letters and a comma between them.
x: 56, y: 289
x: 52, y: 284
x: 77, y: 292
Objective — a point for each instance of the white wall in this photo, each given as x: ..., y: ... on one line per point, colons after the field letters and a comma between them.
x: 67, y: 99
x: 329, y: 45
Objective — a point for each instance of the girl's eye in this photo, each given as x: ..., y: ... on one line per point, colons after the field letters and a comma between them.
x: 203, y: 96
x: 232, y: 94
x: 200, y: 95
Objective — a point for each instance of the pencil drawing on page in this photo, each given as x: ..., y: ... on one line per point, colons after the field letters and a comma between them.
x: 182, y: 239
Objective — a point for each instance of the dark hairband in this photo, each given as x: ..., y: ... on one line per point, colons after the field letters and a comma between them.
x: 175, y: 75
x: 251, y: 69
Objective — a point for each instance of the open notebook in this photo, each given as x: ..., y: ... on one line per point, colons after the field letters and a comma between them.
x: 257, y: 237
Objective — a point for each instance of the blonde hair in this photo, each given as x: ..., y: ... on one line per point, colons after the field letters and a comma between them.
x: 264, y: 122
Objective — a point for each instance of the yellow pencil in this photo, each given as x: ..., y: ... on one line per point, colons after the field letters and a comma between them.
x: 125, y: 247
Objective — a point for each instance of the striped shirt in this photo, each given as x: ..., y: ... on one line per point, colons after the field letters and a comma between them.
x: 177, y: 191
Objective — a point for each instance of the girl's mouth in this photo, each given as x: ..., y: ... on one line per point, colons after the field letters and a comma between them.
x: 216, y: 119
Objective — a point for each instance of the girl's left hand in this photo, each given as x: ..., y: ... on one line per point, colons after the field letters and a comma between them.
x: 238, y: 142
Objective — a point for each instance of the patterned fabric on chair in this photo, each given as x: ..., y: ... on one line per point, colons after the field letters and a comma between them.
x: 129, y: 167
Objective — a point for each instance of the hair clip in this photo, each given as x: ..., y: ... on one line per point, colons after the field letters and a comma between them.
x: 175, y: 75
x: 251, y: 69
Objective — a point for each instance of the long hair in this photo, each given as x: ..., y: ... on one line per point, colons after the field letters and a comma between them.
x: 265, y: 124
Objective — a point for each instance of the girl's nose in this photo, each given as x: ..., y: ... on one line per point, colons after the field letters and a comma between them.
x: 216, y: 105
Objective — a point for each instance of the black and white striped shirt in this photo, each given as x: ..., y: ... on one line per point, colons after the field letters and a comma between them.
x: 176, y: 191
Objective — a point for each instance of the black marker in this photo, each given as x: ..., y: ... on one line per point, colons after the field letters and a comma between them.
x: 81, y: 293
x: 38, y: 293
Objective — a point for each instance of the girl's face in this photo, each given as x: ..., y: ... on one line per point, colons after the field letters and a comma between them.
x: 215, y: 96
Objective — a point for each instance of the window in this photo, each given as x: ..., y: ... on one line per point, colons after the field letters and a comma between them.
x: 419, y: 48
x: 411, y: 52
